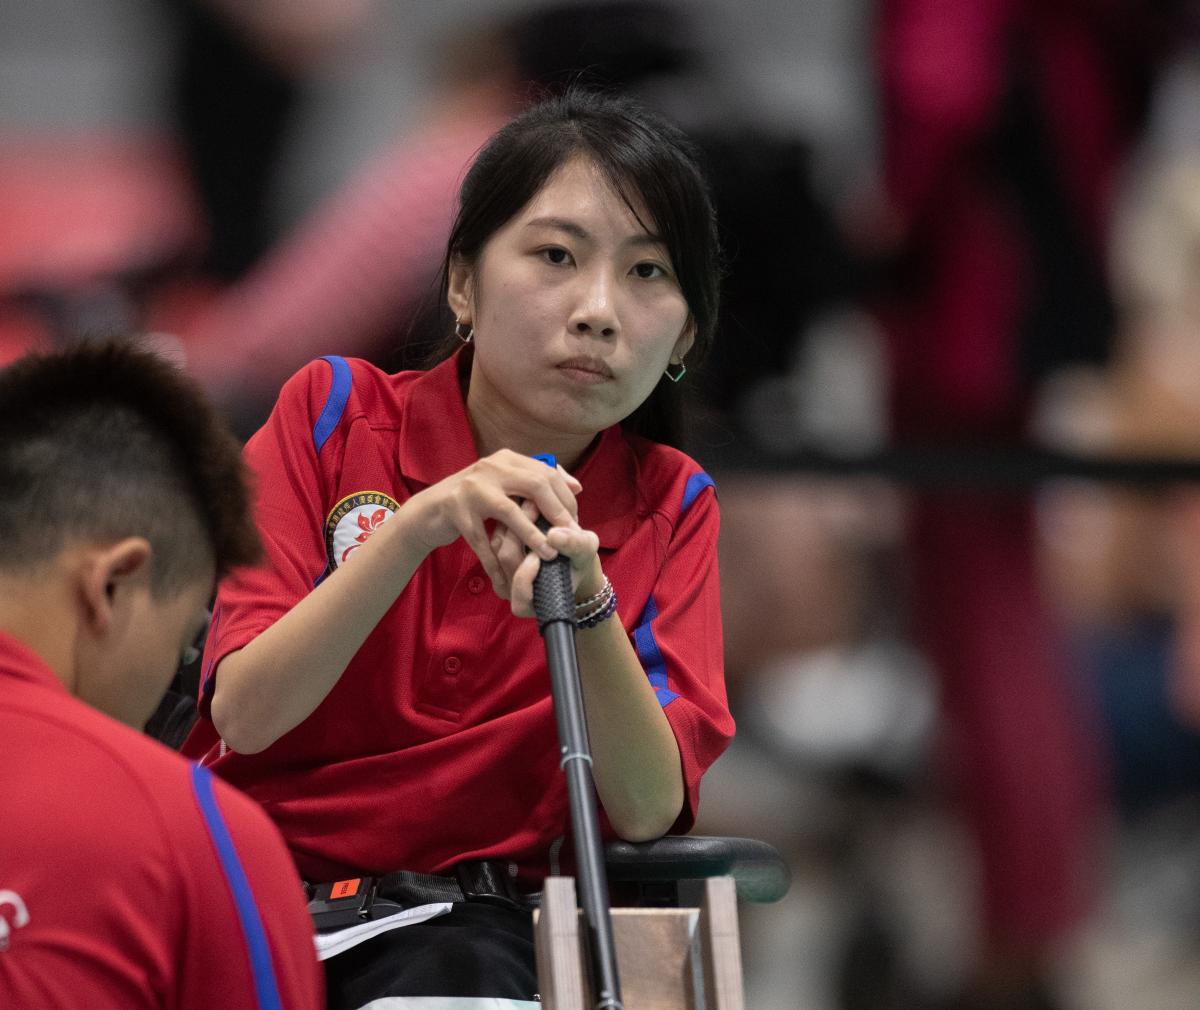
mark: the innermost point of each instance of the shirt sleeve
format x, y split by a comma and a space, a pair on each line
679, 642
289, 501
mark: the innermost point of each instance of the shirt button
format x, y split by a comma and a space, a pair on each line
476, 584
452, 664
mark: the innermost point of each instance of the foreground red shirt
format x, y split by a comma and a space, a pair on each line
129, 879
438, 742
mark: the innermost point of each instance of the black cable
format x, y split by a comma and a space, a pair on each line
959, 466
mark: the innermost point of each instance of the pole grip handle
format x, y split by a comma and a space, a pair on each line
553, 597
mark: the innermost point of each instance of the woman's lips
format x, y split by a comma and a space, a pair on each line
589, 371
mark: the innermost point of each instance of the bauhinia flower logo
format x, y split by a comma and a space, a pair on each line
368, 526
353, 521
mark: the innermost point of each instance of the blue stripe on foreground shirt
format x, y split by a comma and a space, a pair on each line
265, 986
696, 483
335, 402
650, 655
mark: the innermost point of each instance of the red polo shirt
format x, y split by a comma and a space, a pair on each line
130, 879
438, 742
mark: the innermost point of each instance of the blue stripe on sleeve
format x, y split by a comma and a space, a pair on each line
650, 655
265, 987
335, 403
697, 482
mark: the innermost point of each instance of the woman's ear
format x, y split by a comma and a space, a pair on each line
685, 340
459, 293
106, 576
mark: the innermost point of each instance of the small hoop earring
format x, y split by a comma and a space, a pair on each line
675, 370
463, 331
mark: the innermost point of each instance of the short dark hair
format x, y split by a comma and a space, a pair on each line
648, 161
104, 441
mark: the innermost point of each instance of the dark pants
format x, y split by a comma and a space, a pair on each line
475, 950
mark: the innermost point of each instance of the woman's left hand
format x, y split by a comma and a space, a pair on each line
520, 567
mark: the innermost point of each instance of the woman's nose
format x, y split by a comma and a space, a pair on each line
595, 309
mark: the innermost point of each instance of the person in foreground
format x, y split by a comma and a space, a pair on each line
128, 878
378, 685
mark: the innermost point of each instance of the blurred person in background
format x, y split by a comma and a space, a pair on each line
138, 143
1004, 127
1123, 560
237, 83
1154, 388
94, 192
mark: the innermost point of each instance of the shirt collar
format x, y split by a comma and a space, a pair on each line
436, 441
435, 433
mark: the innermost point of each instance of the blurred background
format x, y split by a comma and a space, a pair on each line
963, 240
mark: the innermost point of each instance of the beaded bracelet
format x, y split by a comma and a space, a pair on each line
604, 605
583, 606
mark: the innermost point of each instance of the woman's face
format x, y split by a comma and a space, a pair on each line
576, 312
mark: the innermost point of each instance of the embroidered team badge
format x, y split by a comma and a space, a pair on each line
352, 522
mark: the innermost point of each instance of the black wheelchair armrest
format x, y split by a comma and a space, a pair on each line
758, 870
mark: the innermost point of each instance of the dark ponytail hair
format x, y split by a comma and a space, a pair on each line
648, 161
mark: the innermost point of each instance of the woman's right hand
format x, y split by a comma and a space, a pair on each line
492, 489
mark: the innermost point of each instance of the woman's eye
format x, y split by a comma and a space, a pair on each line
555, 255
647, 271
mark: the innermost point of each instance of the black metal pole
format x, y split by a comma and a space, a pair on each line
554, 605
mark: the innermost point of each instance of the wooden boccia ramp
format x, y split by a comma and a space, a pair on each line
669, 958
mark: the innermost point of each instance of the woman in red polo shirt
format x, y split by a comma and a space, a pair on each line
375, 686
